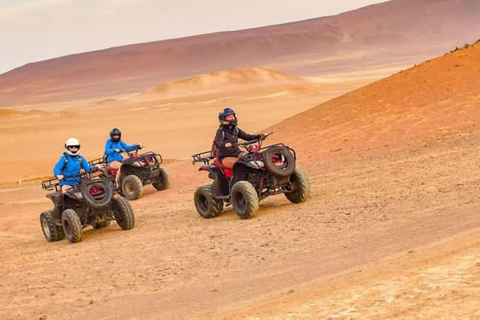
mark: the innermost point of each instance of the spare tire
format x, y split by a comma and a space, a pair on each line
279, 161
97, 193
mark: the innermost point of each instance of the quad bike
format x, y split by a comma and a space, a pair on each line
137, 171
258, 173
93, 201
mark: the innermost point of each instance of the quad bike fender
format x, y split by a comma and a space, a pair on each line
213, 171
220, 185
57, 200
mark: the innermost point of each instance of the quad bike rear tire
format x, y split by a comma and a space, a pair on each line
279, 171
164, 180
207, 206
301, 187
51, 231
101, 224
91, 200
244, 199
124, 213
72, 227
132, 187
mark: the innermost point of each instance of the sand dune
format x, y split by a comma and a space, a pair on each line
223, 82
397, 31
433, 99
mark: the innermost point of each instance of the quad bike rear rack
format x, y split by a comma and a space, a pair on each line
204, 157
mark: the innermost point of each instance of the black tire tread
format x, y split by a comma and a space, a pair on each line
76, 234
165, 183
216, 207
251, 199
303, 187
56, 232
124, 213
137, 187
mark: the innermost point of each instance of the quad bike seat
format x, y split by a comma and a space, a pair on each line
228, 172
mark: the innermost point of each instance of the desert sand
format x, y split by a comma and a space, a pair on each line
391, 228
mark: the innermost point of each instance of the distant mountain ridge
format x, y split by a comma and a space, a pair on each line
406, 24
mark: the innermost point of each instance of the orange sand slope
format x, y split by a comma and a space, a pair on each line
434, 99
398, 31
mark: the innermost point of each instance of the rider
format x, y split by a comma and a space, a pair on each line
114, 148
67, 169
226, 139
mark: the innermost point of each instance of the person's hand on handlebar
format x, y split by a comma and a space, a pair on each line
118, 150
140, 146
60, 176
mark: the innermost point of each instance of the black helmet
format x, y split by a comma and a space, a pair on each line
116, 131
222, 117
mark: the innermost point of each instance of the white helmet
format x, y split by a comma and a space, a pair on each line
72, 142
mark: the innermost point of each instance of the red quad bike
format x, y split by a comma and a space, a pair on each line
137, 171
92, 201
259, 173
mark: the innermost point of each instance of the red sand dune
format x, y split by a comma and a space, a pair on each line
396, 28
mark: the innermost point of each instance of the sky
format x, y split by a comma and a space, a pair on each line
35, 30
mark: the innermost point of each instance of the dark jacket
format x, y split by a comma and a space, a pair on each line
225, 135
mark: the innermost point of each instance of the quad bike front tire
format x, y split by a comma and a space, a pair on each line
132, 187
51, 231
301, 187
207, 206
244, 199
288, 166
72, 227
124, 213
164, 180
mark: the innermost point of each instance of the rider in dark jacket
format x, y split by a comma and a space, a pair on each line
226, 138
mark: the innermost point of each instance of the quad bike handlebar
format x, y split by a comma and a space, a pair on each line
259, 141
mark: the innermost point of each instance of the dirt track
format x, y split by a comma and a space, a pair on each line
175, 264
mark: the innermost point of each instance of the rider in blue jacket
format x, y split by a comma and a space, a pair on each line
114, 148
67, 169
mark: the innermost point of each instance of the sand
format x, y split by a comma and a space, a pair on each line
390, 230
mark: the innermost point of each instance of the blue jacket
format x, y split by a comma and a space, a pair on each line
69, 166
110, 147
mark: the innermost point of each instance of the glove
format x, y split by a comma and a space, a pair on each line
60, 177
139, 146
93, 169
118, 150
262, 136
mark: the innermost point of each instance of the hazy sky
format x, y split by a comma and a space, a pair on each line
34, 30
